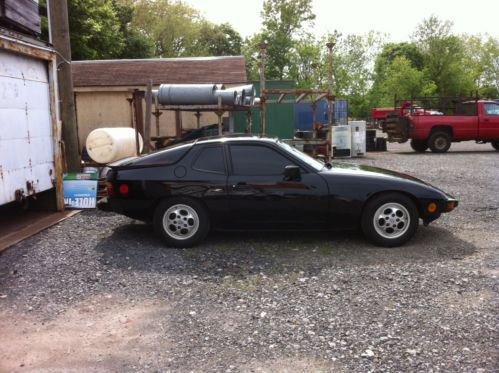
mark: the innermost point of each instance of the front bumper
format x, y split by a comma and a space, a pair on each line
442, 206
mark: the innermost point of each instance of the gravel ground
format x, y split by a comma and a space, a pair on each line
99, 292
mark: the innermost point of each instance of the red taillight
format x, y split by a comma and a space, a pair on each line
123, 189
110, 190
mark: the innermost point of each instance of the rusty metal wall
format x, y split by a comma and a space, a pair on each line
26, 138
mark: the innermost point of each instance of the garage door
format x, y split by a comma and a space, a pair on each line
26, 144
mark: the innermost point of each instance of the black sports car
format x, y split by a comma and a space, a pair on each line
258, 183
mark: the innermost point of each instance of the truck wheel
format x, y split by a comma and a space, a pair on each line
181, 222
390, 219
495, 145
439, 142
419, 146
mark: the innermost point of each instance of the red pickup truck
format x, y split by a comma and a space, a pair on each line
472, 120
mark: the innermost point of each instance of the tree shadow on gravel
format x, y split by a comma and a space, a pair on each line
239, 254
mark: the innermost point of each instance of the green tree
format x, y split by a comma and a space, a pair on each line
178, 30
171, 25
306, 62
217, 40
411, 61
353, 73
282, 22
444, 57
403, 81
137, 45
95, 30
482, 63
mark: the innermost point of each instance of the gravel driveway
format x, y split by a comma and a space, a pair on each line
99, 292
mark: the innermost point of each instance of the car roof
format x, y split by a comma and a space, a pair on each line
237, 138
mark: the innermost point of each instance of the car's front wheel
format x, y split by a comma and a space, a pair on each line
181, 222
390, 219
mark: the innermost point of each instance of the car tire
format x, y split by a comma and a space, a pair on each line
439, 142
390, 219
495, 145
181, 222
419, 146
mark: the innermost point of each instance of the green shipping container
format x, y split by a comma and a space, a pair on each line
280, 117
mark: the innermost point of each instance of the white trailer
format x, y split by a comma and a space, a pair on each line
30, 147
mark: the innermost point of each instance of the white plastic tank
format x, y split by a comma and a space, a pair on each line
105, 145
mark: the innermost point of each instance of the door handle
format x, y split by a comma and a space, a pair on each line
486, 120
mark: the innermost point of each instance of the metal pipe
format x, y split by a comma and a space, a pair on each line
244, 90
228, 97
187, 94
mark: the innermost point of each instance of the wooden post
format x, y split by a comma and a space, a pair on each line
147, 128
330, 100
249, 122
198, 119
132, 124
263, 52
157, 113
139, 112
58, 11
178, 124
56, 134
220, 113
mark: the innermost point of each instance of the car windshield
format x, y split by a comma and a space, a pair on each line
316, 164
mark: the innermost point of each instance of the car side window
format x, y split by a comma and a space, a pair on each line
492, 109
210, 159
251, 160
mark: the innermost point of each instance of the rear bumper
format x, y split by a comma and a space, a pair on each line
135, 209
103, 204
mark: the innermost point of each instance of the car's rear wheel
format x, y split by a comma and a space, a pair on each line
419, 145
495, 145
181, 222
390, 219
439, 142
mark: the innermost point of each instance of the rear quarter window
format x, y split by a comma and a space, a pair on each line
210, 159
165, 156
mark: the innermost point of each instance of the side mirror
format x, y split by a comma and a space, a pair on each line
292, 172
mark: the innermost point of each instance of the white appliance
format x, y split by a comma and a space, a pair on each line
342, 141
358, 130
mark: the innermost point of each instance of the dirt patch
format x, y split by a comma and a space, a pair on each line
100, 334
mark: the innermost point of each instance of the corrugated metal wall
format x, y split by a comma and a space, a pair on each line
26, 142
303, 114
280, 117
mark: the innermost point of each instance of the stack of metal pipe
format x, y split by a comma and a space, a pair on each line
205, 94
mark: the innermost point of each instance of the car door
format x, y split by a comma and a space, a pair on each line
489, 122
260, 196
207, 180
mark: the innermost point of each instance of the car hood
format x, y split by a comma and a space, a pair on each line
340, 168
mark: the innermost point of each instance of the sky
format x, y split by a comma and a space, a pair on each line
396, 18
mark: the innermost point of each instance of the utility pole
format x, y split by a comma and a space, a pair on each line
331, 98
59, 25
263, 98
